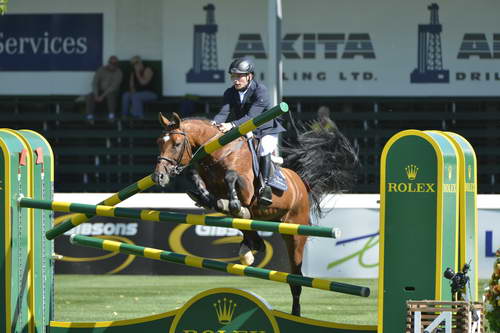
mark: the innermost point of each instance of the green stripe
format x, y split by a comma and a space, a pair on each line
215, 265
257, 272
173, 257
299, 280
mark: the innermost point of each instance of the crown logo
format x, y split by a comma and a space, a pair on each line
450, 173
469, 172
224, 310
411, 171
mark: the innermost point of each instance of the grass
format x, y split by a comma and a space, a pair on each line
81, 298
116, 297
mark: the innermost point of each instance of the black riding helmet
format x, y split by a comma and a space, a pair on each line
241, 66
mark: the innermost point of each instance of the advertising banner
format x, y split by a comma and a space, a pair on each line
51, 42
342, 48
203, 241
355, 254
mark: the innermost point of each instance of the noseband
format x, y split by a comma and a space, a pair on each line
178, 167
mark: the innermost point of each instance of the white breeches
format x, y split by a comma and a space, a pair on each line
268, 144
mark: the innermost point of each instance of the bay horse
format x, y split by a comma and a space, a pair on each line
323, 162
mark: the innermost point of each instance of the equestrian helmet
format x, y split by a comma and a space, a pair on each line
241, 66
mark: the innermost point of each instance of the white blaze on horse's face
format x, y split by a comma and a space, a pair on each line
166, 138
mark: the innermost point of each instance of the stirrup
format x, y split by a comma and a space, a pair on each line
265, 196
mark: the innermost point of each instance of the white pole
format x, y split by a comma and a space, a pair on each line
274, 64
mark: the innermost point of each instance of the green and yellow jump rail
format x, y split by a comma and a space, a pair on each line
236, 269
159, 216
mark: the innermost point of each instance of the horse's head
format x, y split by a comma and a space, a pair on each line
175, 150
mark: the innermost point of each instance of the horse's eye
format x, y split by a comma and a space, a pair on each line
177, 144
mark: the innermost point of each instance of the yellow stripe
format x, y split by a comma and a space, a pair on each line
112, 200
212, 146
278, 276
194, 261
105, 211
195, 219
242, 224
246, 127
321, 284
236, 269
111, 245
78, 219
145, 183
152, 253
288, 228
150, 215
61, 206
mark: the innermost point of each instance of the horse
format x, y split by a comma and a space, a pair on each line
323, 164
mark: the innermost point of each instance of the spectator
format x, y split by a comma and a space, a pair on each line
105, 86
324, 121
140, 89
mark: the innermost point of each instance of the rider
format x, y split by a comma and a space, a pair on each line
246, 99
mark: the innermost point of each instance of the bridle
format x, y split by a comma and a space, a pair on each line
178, 167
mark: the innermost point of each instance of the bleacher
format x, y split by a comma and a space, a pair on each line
106, 157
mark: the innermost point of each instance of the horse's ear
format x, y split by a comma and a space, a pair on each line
164, 121
176, 120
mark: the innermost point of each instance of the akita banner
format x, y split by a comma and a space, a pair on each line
341, 48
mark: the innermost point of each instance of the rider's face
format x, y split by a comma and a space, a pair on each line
241, 81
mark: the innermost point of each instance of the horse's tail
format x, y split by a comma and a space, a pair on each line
325, 160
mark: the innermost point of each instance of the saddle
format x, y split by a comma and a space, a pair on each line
277, 179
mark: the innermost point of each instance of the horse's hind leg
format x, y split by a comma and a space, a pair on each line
295, 246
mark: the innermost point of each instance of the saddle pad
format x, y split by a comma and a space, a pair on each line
277, 180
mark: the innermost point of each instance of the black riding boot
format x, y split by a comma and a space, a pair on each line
265, 192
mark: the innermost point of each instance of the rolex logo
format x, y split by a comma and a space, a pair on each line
411, 171
450, 172
469, 172
224, 310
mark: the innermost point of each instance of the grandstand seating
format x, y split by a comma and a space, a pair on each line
105, 157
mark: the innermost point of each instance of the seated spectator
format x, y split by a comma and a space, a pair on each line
105, 86
140, 89
324, 121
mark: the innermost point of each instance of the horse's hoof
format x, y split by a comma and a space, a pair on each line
246, 256
223, 205
234, 207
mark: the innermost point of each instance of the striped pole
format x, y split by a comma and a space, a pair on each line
211, 264
147, 181
157, 216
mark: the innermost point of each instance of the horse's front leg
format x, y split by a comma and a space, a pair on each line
232, 205
200, 194
234, 202
251, 241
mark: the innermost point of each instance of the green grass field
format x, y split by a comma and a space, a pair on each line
115, 297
